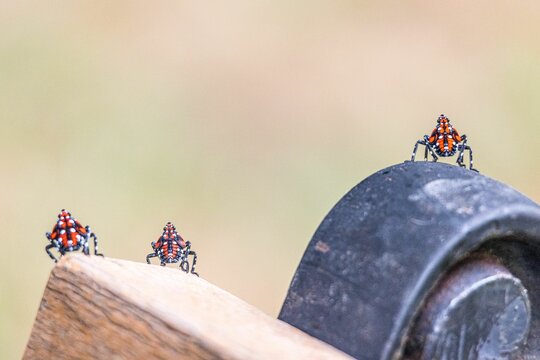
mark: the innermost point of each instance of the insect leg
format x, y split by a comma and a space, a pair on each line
461, 149
430, 148
470, 159
194, 262
93, 235
184, 266
50, 246
419, 142
85, 246
433, 155
150, 256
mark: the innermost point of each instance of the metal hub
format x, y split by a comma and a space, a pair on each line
479, 311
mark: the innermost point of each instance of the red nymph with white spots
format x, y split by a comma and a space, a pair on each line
171, 248
69, 235
445, 141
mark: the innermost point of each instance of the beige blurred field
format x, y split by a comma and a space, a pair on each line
242, 122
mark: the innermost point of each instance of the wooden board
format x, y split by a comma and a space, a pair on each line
114, 309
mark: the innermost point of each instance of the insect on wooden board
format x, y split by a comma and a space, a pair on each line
171, 248
69, 235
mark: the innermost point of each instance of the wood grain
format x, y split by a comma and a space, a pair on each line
114, 309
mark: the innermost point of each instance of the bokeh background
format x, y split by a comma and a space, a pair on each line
243, 122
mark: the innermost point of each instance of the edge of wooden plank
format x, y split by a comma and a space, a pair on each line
109, 308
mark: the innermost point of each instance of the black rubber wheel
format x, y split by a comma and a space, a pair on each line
420, 261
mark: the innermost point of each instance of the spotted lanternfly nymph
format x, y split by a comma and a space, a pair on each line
445, 141
171, 248
69, 235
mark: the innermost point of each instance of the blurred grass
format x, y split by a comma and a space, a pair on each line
241, 122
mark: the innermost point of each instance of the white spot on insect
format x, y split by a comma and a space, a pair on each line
62, 231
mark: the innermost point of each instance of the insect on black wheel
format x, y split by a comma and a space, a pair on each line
423, 261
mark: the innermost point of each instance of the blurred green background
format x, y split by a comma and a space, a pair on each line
241, 122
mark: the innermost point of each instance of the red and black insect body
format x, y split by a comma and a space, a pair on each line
69, 235
445, 141
171, 248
